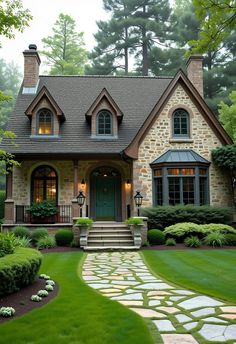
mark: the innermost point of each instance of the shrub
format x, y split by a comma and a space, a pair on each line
18, 269
84, 221
64, 237
156, 237
43, 276
36, 298
192, 241
134, 221
47, 242
38, 234
7, 245
170, 242
7, 311
161, 217
230, 239
218, 227
215, 239
182, 230
49, 287
50, 282
21, 231
42, 209
2, 203
42, 293
22, 242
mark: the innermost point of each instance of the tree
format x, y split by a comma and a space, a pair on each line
228, 116
218, 20
65, 50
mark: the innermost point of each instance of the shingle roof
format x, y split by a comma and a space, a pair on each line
180, 156
135, 96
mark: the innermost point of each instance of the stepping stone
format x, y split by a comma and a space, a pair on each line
137, 296
169, 303
110, 290
154, 303
164, 325
228, 316
122, 287
214, 332
183, 292
150, 286
87, 273
157, 297
170, 310
130, 291
158, 292
99, 286
213, 319
190, 326
90, 278
182, 318
203, 311
228, 309
178, 339
176, 298
116, 278
230, 332
124, 282
148, 313
199, 301
131, 303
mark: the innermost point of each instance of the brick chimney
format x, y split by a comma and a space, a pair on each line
195, 72
31, 66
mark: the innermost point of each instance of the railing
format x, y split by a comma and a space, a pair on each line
63, 215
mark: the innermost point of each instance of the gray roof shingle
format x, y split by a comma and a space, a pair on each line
180, 156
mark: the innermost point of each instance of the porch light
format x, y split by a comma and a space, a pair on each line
80, 199
128, 182
138, 198
83, 183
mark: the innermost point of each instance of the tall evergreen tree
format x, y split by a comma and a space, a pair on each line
65, 50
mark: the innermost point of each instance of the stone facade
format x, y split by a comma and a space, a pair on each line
159, 139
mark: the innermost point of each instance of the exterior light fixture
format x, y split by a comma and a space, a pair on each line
80, 200
83, 183
138, 198
128, 182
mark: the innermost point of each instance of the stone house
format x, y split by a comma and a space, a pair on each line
109, 137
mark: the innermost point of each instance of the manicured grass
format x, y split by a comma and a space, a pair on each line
212, 272
79, 315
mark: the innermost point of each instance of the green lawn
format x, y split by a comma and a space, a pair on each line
207, 271
79, 315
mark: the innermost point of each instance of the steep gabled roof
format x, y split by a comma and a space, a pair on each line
44, 93
180, 78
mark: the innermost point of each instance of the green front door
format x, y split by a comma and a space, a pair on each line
105, 198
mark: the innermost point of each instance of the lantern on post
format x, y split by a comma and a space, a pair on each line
80, 200
138, 198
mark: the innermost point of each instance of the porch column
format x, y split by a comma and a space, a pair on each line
75, 207
9, 203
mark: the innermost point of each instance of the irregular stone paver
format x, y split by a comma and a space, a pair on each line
123, 277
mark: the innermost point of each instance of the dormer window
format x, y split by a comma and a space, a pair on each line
104, 123
44, 122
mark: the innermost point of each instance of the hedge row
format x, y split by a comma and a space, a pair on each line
162, 217
18, 269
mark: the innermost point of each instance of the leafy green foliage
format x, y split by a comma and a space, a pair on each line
47, 242
65, 50
134, 221
83, 221
6, 244
170, 242
192, 241
42, 209
156, 237
18, 269
38, 234
2, 203
225, 157
64, 237
22, 242
215, 239
230, 239
21, 231
228, 116
161, 217
218, 227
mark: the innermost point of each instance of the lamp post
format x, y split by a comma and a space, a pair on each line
80, 200
138, 198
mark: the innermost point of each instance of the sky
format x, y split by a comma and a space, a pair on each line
45, 14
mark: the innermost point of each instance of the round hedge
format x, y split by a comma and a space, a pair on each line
156, 237
64, 237
18, 269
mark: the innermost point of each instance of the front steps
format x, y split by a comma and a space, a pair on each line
110, 236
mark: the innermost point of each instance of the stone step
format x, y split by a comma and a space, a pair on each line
111, 248
110, 242
110, 237
111, 230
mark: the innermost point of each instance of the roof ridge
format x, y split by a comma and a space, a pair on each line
108, 76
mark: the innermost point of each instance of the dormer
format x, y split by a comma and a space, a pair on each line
45, 115
104, 116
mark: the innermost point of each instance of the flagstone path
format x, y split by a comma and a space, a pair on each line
124, 277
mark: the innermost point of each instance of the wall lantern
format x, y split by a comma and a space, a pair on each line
128, 182
83, 183
80, 200
138, 198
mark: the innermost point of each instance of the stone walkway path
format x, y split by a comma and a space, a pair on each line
124, 277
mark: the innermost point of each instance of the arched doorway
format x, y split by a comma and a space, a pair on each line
44, 184
105, 186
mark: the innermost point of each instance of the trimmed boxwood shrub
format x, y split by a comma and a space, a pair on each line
64, 237
170, 242
164, 216
21, 231
38, 234
218, 227
47, 242
156, 237
18, 269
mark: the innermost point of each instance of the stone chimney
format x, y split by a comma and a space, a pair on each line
31, 66
195, 72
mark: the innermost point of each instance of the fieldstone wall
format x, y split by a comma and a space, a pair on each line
159, 139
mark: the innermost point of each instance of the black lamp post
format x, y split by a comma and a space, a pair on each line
138, 198
80, 200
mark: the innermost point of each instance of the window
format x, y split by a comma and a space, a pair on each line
44, 122
104, 123
180, 185
180, 123
44, 184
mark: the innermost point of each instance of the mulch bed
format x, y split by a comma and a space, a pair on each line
183, 247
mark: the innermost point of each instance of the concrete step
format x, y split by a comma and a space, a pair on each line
105, 243
109, 231
110, 236
111, 248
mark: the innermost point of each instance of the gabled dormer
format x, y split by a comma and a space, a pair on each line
45, 115
104, 115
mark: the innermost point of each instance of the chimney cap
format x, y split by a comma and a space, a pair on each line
196, 57
33, 47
